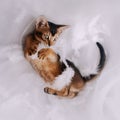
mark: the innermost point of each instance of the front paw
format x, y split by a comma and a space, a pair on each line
32, 50
42, 54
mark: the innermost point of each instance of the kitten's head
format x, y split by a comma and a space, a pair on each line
47, 32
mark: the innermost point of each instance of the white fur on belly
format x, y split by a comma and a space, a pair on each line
63, 80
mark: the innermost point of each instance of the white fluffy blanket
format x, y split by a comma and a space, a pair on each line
21, 88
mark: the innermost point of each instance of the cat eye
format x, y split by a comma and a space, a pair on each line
39, 33
46, 37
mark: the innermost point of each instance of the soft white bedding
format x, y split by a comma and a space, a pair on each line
21, 88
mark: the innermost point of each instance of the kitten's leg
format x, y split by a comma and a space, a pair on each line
76, 85
63, 93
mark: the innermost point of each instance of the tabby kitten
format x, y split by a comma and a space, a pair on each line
37, 48
48, 64
77, 81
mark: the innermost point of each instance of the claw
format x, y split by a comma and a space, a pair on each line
46, 90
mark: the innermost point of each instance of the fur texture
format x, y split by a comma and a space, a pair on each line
64, 78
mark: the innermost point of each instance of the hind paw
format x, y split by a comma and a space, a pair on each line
50, 91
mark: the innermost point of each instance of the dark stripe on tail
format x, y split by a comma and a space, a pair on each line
102, 56
100, 65
101, 62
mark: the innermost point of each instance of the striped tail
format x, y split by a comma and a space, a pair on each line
101, 63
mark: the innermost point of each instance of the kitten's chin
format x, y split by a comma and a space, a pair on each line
52, 44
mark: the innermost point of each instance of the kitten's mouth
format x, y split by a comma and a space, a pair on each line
49, 43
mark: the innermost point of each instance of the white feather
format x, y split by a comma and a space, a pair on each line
63, 80
97, 30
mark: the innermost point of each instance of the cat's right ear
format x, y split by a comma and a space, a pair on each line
61, 28
41, 22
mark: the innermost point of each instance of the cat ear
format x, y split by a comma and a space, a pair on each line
61, 28
41, 22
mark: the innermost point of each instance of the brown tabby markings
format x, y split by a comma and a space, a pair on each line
47, 62
49, 66
30, 45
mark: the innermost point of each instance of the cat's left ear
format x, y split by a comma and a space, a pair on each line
41, 22
61, 28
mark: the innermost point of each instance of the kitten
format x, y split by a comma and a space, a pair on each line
44, 36
48, 64
77, 81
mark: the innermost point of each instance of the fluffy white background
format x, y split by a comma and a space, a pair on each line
21, 89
